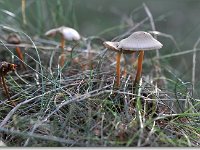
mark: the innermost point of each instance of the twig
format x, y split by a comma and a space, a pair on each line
187, 138
166, 36
138, 103
126, 103
152, 23
177, 115
49, 138
130, 30
177, 54
46, 48
51, 61
157, 67
194, 63
23, 5
150, 134
102, 120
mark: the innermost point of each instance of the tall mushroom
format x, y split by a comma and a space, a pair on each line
68, 34
139, 41
15, 39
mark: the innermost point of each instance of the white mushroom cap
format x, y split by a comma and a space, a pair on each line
51, 32
140, 40
69, 34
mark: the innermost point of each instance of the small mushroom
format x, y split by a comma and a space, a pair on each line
139, 41
68, 34
15, 39
6, 67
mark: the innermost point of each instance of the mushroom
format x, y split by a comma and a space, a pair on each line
6, 67
114, 47
15, 39
139, 41
68, 34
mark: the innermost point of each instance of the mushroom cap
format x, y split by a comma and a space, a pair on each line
13, 39
139, 40
114, 46
111, 45
69, 34
51, 32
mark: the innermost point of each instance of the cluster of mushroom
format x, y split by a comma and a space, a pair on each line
139, 41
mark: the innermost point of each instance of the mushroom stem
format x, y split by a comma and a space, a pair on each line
20, 55
139, 68
62, 43
5, 87
118, 69
62, 59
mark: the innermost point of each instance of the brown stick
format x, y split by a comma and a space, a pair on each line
139, 68
118, 69
5, 87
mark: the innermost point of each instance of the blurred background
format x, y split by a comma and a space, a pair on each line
109, 18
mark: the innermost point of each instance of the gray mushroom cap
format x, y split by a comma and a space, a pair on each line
139, 40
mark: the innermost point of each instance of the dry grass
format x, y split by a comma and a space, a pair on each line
78, 105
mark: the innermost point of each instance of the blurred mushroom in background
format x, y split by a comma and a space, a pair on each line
15, 39
67, 34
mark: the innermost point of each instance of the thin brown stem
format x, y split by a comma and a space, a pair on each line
62, 43
62, 59
139, 68
118, 69
5, 87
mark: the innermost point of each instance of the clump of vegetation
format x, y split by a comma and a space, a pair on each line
78, 104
